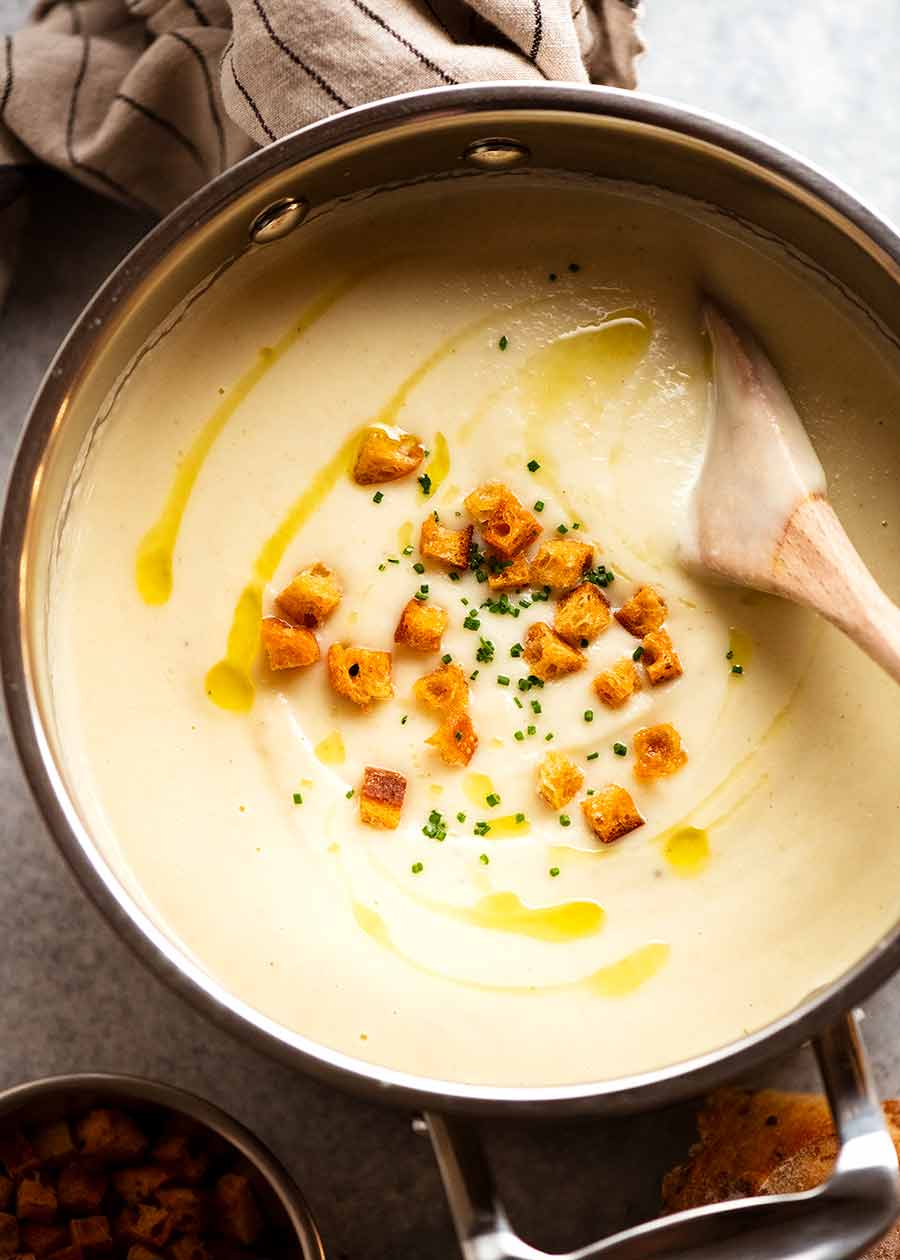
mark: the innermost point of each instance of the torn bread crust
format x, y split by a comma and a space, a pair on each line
287, 646
449, 546
643, 613
421, 626
611, 813
385, 454
311, 596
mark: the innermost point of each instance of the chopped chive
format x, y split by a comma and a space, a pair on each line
425, 482
590, 791
298, 799
403, 720
532, 465
576, 524
377, 496
619, 749
460, 817
492, 799
485, 652
382, 567
539, 505
523, 684
532, 730
503, 342
417, 868
565, 820
737, 669
518, 703
481, 828
446, 658
525, 603
637, 653
516, 649
349, 794
520, 818
562, 529
548, 736
483, 859
471, 622
502, 680
519, 735
729, 655
536, 706
418, 567
592, 756
436, 827
407, 551
392, 560
474, 674
588, 715
454, 577
554, 871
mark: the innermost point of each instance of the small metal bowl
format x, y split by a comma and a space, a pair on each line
58, 1097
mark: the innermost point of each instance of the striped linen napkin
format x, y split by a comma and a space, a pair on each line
146, 100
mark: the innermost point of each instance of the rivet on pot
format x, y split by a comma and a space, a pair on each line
496, 152
278, 220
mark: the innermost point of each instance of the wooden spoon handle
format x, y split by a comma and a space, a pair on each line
816, 564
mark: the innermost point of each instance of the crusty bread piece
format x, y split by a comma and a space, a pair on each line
765, 1142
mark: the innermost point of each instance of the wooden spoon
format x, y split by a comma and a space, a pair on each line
759, 513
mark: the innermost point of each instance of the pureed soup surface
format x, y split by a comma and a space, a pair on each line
503, 322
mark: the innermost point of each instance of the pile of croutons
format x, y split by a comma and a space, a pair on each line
561, 565
105, 1184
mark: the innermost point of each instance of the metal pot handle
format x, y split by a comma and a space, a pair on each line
837, 1221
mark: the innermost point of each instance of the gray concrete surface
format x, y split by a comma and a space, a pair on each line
818, 75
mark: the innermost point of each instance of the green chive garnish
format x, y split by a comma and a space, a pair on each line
565, 820
377, 496
298, 799
554, 871
532, 465
619, 749
417, 868
592, 756
588, 715
539, 505
502, 680
503, 342
637, 653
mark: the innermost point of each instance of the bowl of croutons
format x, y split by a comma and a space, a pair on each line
121, 1167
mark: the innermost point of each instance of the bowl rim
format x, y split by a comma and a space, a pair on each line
172, 964
124, 1087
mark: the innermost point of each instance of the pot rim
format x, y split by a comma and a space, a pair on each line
658, 1087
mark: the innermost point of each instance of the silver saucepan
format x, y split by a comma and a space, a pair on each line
428, 135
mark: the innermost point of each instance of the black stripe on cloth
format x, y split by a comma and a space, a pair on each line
165, 125
401, 39
197, 12
538, 30
289, 52
119, 189
440, 21
210, 94
7, 87
250, 101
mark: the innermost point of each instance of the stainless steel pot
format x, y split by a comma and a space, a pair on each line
63, 1097
425, 135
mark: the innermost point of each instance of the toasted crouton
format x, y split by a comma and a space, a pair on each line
611, 813
189, 1247
239, 1217
558, 779
561, 563
359, 674
548, 655
144, 1223
386, 453
9, 1234
81, 1187
287, 646
511, 576
91, 1234
35, 1201
657, 751
645, 611
187, 1206
485, 499
43, 1240
660, 659
381, 798
510, 528
136, 1185
137, 1251
17, 1154
581, 615
110, 1136
455, 739
181, 1157
617, 683
445, 689
421, 625
311, 596
450, 546
6, 1192
53, 1142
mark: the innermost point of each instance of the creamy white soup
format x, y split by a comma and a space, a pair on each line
546, 335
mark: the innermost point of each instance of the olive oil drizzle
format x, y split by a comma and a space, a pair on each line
155, 553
